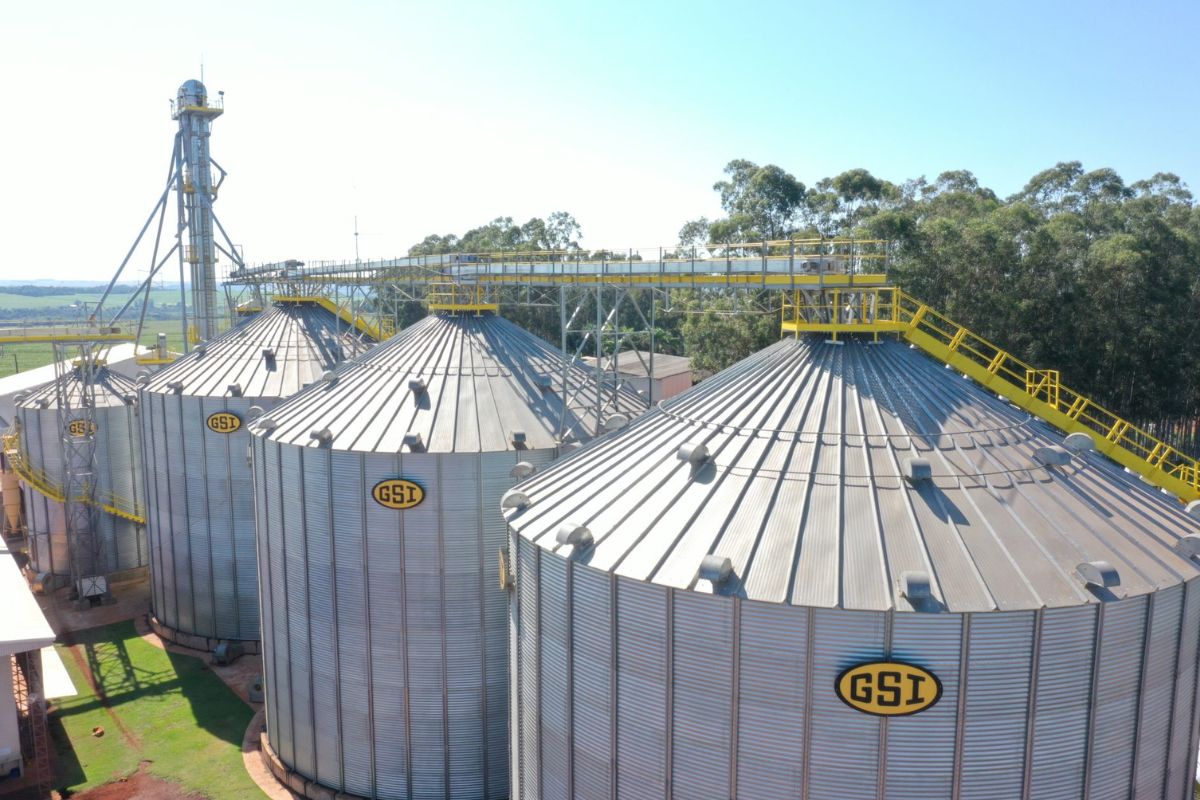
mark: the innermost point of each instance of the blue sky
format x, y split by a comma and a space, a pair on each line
435, 117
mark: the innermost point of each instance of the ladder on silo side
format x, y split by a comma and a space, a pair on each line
886, 309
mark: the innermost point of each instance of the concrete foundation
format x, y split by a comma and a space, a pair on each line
294, 781
202, 643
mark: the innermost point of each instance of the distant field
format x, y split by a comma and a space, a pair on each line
20, 357
33, 304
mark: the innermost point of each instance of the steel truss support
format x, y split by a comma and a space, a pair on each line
75, 392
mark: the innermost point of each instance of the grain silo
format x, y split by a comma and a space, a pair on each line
200, 507
377, 493
840, 571
117, 475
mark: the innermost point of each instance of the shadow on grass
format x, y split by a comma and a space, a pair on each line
67, 769
214, 705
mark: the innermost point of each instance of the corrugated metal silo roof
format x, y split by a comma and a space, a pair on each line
483, 378
111, 389
803, 491
302, 339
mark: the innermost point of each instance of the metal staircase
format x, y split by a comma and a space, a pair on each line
888, 310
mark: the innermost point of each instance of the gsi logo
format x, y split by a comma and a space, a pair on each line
888, 688
223, 422
81, 427
398, 493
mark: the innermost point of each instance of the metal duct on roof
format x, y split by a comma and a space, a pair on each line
1042, 613
199, 497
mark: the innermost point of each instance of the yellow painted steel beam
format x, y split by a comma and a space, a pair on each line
14, 337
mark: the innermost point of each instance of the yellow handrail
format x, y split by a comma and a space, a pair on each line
1038, 391
43, 484
377, 332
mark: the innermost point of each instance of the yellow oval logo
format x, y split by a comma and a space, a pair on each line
888, 688
398, 493
223, 422
81, 427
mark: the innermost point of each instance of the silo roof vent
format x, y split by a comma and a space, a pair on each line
1188, 546
715, 568
545, 383
1193, 509
693, 453
417, 386
129, 399
268, 353
414, 442
322, 436
1100, 574
175, 386
329, 377
917, 588
522, 470
917, 470
514, 498
255, 412
235, 389
143, 378
615, 422
43, 402
267, 424
1053, 456
575, 535
1079, 442
518, 439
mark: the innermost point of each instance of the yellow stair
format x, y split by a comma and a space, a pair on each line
887, 309
42, 483
384, 330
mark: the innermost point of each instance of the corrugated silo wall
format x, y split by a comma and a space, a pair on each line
385, 631
117, 472
200, 516
632, 690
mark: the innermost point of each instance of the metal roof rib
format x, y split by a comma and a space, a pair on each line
803, 491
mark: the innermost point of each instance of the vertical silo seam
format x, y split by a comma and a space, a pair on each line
735, 694
569, 636
888, 651
290, 695
208, 524
669, 681
1031, 708
441, 555
233, 555
964, 655
1091, 726
1148, 629
370, 661
310, 688
483, 671
336, 637
613, 686
403, 592
1189, 778
808, 702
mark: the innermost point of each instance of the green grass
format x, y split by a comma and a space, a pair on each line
20, 357
21, 301
162, 708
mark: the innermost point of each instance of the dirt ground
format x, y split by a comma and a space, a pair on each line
139, 786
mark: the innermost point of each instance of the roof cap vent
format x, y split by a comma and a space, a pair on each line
322, 436
235, 389
18, 397
518, 439
328, 376
575, 535
417, 386
1079, 442
917, 470
615, 422
43, 402
1053, 456
1100, 574
1193, 509
715, 568
175, 386
545, 382
693, 453
1188, 546
917, 588
129, 399
522, 470
268, 353
514, 498
414, 442
201, 350
268, 424
255, 412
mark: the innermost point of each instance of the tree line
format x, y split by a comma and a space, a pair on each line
1078, 271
